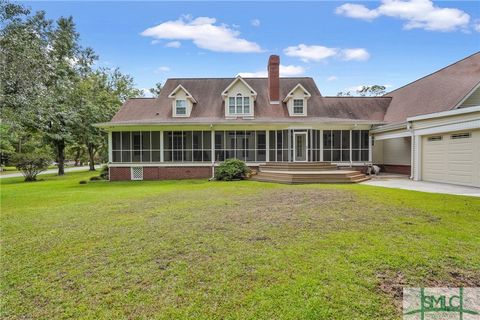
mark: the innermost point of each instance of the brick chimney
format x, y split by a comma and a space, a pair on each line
274, 79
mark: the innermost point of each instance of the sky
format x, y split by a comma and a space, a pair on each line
341, 44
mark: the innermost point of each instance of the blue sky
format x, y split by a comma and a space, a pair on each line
341, 44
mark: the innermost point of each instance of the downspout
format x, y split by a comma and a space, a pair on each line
412, 149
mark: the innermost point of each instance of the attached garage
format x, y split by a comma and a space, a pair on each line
452, 157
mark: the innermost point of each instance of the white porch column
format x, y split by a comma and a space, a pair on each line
212, 146
110, 146
267, 146
369, 148
416, 166
351, 161
321, 145
161, 146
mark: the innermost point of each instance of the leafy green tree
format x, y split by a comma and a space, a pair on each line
365, 91
98, 97
155, 91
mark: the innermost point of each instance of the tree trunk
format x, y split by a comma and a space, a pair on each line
91, 155
77, 157
61, 157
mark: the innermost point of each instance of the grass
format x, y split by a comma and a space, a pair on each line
220, 250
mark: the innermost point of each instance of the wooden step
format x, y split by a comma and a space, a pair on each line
336, 176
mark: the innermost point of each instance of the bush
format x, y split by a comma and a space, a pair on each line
82, 182
104, 172
31, 164
95, 178
231, 169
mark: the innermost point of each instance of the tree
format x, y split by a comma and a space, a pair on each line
155, 91
98, 97
365, 91
31, 164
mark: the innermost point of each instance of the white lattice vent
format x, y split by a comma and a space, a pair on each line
137, 173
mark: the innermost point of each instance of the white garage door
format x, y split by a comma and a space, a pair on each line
452, 158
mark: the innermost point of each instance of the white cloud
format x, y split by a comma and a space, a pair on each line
310, 53
332, 78
358, 54
204, 33
255, 23
285, 71
358, 11
173, 44
418, 14
476, 26
317, 53
162, 69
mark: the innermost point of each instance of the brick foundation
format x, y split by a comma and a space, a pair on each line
396, 168
118, 174
162, 173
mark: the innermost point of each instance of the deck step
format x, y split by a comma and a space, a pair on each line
299, 173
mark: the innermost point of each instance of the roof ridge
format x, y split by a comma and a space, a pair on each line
432, 73
356, 97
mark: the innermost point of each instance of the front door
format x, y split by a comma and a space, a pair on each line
300, 146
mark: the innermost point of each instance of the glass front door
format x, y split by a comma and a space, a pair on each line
300, 146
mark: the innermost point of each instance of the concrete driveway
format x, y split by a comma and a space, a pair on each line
70, 169
424, 186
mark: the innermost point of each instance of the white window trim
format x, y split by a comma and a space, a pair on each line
250, 107
303, 107
185, 107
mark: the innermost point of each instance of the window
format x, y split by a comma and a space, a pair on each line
435, 138
239, 105
248, 146
463, 135
298, 106
180, 107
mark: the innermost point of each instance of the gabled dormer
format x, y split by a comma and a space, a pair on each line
182, 102
296, 101
239, 99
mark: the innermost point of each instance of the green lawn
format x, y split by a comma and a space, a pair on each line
226, 250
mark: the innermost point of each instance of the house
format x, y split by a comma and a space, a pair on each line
429, 128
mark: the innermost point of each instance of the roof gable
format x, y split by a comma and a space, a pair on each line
237, 79
180, 87
291, 93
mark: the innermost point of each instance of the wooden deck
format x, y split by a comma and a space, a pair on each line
308, 172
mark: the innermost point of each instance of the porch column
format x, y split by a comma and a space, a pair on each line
369, 148
161, 146
321, 145
110, 146
416, 166
212, 147
351, 160
267, 146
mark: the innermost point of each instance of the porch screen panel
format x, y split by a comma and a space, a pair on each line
187, 146
360, 145
136, 146
314, 145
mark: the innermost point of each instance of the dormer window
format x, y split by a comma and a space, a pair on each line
182, 102
296, 101
181, 107
239, 105
298, 106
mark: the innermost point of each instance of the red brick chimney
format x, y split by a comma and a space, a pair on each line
274, 79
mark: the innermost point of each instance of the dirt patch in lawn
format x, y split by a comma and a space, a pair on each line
392, 283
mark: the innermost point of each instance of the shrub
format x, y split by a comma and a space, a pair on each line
82, 182
231, 169
104, 172
31, 164
95, 178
